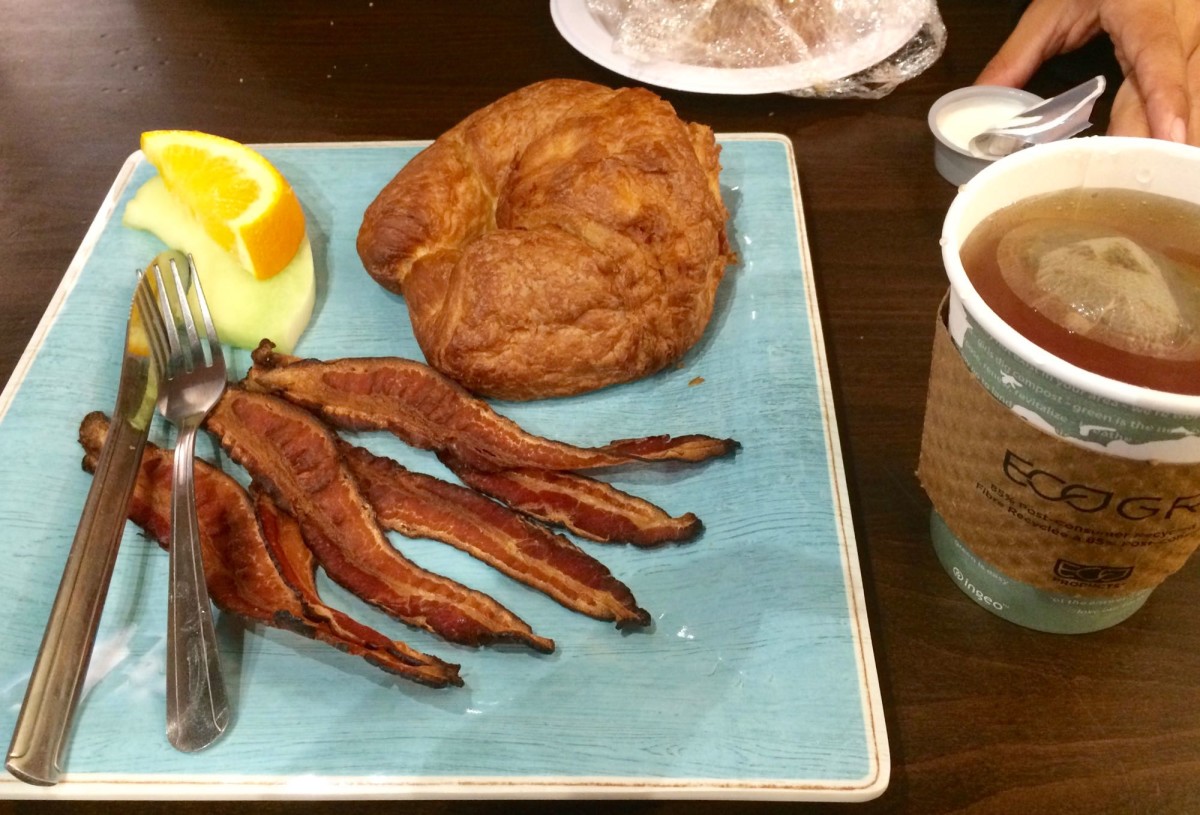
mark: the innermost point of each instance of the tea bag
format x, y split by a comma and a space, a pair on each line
1098, 283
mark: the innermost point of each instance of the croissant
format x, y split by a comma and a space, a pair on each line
564, 238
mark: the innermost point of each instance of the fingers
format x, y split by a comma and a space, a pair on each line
1193, 132
1146, 35
1152, 39
1128, 116
1047, 28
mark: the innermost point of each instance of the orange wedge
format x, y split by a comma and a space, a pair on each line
240, 199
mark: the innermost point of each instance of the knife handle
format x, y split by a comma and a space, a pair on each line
62, 661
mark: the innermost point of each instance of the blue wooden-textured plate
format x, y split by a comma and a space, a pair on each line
756, 680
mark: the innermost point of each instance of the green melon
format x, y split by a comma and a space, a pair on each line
245, 310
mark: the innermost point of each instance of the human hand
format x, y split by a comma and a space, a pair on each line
1157, 44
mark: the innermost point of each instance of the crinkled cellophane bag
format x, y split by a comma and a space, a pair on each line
808, 35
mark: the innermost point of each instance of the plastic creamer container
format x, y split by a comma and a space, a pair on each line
961, 115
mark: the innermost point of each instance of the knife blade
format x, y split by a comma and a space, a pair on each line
34, 755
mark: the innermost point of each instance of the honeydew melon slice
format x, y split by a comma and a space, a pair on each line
245, 309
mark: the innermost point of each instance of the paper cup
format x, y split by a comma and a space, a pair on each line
1096, 507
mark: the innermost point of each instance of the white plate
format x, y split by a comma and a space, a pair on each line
587, 35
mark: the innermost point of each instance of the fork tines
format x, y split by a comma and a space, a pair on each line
181, 354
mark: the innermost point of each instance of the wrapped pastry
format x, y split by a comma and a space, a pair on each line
856, 48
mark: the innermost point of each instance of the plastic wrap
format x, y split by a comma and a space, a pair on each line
827, 48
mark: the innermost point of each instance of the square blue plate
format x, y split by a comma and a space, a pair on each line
756, 679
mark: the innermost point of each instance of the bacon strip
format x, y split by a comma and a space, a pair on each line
297, 568
430, 411
421, 506
691, 448
296, 457
238, 570
591, 509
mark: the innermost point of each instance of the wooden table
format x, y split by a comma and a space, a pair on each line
983, 716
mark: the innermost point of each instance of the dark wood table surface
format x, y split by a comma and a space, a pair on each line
982, 716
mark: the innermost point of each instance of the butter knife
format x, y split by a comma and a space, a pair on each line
61, 667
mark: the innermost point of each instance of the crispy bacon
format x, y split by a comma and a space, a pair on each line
422, 506
242, 578
430, 411
296, 458
590, 508
691, 448
297, 568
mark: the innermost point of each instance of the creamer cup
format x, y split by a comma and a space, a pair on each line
962, 114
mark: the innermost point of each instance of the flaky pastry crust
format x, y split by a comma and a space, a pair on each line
564, 238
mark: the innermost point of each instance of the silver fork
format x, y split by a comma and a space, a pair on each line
197, 705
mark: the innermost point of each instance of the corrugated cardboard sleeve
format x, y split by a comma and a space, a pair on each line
1042, 510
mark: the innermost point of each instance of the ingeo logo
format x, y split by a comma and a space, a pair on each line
973, 590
